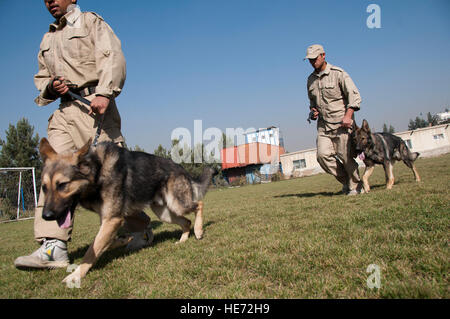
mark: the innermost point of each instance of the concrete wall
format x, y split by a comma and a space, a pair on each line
428, 141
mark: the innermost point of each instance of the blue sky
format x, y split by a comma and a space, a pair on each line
239, 63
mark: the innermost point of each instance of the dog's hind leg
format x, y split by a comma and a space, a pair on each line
102, 242
198, 224
413, 168
389, 172
166, 215
408, 158
416, 174
185, 227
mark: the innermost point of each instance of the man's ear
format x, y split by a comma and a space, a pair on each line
365, 126
46, 150
84, 150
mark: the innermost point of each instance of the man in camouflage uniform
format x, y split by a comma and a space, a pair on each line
333, 99
83, 50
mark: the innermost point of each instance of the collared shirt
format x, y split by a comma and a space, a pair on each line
83, 49
331, 92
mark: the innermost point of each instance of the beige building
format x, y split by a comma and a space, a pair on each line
428, 141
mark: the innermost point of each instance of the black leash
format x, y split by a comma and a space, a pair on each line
102, 116
87, 102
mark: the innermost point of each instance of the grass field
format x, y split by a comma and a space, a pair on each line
291, 239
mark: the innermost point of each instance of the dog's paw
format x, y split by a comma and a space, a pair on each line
74, 279
198, 234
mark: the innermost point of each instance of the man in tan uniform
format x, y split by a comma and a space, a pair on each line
81, 48
334, 98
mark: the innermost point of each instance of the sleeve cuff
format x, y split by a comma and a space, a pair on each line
107, 92
41, 101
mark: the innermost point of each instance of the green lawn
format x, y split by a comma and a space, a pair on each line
291, 239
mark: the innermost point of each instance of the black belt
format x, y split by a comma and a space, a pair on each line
81, 92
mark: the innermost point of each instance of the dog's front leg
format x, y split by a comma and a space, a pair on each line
367, 173
102, 241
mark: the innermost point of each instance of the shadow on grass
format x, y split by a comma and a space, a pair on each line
328, 194
301, 195
120, 252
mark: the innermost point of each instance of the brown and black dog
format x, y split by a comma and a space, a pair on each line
117, 183
384, 149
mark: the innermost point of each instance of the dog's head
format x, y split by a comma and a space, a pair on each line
64, 177
362, 137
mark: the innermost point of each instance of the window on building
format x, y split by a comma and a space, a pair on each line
408, 142
438, 136
299, 164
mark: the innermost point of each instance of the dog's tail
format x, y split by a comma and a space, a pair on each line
406, 153
202, 183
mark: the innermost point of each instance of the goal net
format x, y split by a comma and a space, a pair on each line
18, 198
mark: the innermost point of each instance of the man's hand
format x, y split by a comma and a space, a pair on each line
59, 87
347, 120
99, 105
315, 113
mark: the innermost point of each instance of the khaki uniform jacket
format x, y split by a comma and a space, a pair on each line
331, 92
85, 51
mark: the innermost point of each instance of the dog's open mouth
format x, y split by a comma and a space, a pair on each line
65, 220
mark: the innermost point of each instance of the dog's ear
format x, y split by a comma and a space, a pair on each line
46, 150
365, 126
83, 161
84, 150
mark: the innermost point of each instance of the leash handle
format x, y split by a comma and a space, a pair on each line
79, 98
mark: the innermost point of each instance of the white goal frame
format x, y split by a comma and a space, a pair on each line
20, 170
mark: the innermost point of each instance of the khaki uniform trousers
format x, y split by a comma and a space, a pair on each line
69, 128
335, 156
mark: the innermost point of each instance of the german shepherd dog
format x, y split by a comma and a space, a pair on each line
117, 183
384, 149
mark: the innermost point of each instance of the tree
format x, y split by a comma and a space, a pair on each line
417, 123
432, 119
137, 148
21, 147
161, 151
19, 150
388, 130
391, 129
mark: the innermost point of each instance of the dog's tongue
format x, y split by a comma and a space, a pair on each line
362, 156
66, 222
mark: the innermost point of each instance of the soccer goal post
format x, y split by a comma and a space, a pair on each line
18, 196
